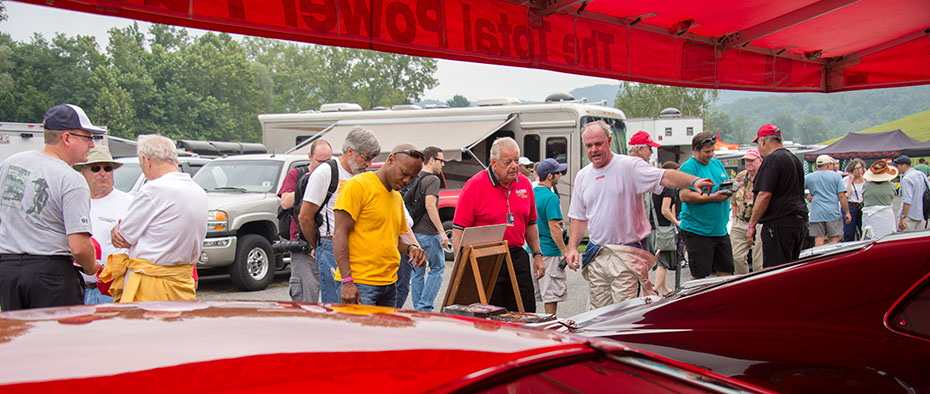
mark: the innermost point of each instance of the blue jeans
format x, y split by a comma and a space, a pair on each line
377, 295
330, 289
853, 229
403, 281
93, 296
424, 295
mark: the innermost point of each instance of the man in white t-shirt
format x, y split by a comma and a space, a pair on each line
164, 231
358, 150
607, 203
107, 207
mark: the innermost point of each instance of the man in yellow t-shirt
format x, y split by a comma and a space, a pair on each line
369, 217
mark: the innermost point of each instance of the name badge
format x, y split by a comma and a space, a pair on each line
509, 219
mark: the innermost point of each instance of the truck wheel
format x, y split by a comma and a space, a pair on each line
254, 265
447, 227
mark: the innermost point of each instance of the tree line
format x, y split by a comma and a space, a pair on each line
210, 87
646, 100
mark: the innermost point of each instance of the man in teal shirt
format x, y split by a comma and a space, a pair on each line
704, 216
551, 288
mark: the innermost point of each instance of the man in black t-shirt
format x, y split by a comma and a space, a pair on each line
779, 201
430, 235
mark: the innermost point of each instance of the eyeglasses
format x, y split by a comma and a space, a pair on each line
412, 153
88, 137
98, 168
367, 157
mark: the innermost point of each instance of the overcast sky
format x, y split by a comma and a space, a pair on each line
472, 80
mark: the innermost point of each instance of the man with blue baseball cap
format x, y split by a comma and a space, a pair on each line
45, 211
551, 287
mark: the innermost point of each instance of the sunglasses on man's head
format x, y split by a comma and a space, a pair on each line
98, 168
412, 153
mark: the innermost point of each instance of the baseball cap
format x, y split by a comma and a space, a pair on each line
903, 159
824, 160
525, 161
643, 138
752, 154
69, 117
549, 166
767, 130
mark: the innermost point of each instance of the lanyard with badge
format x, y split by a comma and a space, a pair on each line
509, 214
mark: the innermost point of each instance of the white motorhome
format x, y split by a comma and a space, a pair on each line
543, 130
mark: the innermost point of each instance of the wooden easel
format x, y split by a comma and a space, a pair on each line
480, 264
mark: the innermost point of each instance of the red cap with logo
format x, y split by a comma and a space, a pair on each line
643, 138
767, 130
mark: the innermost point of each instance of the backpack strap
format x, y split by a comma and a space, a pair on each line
333, 185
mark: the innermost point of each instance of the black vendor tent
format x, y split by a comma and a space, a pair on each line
889, 144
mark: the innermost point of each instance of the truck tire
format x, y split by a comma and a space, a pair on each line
447, 227
254, 266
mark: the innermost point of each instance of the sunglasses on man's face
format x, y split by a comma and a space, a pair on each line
412, 153
98, 168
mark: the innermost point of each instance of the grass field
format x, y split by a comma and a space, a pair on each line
917, 126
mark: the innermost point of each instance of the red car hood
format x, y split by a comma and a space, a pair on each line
232, 346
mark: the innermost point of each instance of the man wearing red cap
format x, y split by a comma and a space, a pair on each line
779, 203
641, 145
741, 207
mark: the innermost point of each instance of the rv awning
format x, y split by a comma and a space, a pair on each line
452, 134
783, 46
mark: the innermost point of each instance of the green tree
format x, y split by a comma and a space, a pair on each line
458, 101
731, 129
812, 130
639, 100
787, 126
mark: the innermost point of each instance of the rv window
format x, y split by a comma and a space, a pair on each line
531, 147
557, 148
690, 131
485, 156
301, 138
617, 134
668, 131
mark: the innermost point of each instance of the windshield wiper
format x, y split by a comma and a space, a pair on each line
238, 189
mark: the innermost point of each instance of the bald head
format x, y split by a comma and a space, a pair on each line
403, 147
404, 163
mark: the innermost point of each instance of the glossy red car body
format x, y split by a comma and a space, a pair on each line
856, 321
260, 347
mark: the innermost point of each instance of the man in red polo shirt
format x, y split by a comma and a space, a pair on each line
502, 195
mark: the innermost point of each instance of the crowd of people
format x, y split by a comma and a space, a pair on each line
375, 237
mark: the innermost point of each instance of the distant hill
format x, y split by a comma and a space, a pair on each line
597, 93
917, 126
842, 113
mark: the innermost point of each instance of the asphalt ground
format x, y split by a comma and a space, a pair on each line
218, 287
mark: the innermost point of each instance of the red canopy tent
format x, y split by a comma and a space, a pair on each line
787, 45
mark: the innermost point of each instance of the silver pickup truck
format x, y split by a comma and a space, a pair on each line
242, 223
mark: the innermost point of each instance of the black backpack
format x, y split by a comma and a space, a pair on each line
926, 197
415, 197
318, 219
286, 216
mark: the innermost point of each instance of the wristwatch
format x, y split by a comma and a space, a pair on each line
537, 253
